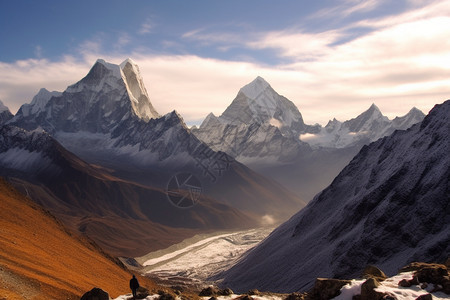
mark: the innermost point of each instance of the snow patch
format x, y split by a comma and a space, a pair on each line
389, 286
112, 67
255, 88
350, 290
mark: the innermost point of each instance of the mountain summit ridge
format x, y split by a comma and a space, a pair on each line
94, 104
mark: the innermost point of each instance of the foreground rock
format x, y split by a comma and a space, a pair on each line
425, 274
96, 294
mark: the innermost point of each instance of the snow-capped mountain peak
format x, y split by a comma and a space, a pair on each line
366, 127
112, 67
365, 120
257, 102
108, 95
40, 100
413, 116
255, 88
137, 92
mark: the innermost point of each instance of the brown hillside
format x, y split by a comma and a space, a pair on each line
40, 259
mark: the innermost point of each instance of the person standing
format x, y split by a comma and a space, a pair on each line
134, 285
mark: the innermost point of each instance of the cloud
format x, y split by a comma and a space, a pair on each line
21, 80
345, 8
403, 61
223, 40
146, 27
123, 39
298, 45
38, 51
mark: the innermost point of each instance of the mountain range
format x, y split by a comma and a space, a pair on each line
389, 206
266, 131
101, 158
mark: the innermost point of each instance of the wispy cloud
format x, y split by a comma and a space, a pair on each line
38, 51
21, 80
147, 26
343, 9
123, 39
222, 40
91, 46
297, 45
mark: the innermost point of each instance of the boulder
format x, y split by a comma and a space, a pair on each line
405, 283
142, 293
226, 292
429, 273
374, 272
209, 291
415, 266
325, 289
254, 292
425, 297
96, 294
432, 274
165, 296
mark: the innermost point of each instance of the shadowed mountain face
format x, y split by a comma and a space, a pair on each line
41, 259
388, 207
126, 218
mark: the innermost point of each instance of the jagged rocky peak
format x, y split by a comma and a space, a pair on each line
137, 92
3, 107
105, 76
210, 120
40, 100
413, 116
5, 114
366, 120
107, 95
257, 102
255, 88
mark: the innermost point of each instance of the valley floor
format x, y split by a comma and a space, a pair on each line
195, 260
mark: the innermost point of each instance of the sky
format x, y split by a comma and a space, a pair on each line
333, 59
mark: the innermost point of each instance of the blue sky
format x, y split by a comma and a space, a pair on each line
331, 58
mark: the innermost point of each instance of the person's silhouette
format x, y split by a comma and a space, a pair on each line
134, 285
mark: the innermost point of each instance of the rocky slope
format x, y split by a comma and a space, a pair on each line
41, 259
124, 218
388, 207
